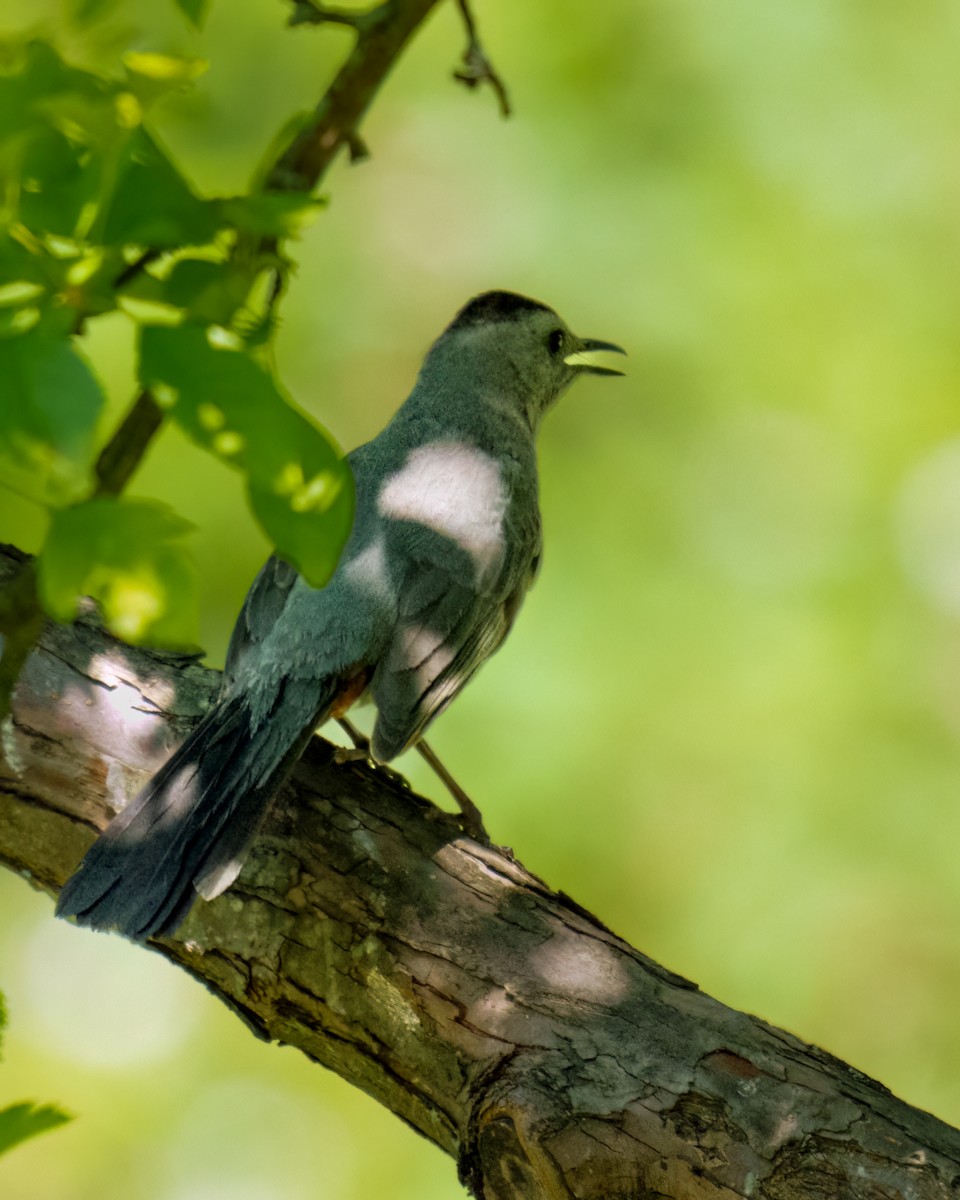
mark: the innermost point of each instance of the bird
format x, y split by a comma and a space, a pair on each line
445, 543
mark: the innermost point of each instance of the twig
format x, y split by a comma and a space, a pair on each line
477, 67
133, 269
121, 456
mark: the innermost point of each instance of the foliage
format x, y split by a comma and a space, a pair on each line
21, 1121
97, 219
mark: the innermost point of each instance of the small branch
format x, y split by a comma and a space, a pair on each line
382, 34
477, 67
132, 270
121, 456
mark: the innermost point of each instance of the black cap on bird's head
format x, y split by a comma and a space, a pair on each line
493, 308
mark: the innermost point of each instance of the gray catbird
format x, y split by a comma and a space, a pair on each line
446, 541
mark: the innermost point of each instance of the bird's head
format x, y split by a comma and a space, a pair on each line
519, 350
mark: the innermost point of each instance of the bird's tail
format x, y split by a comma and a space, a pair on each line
188, 831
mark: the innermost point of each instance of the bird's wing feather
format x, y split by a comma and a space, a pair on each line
261, 610
445, 629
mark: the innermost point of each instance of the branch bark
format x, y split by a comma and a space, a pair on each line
494, 1015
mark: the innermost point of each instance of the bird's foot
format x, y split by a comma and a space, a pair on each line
360, 752
471, 821
348, 754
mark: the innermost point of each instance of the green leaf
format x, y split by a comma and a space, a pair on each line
300, 488
22, 1121
49, 405
57, 184
273, 214
32, 75
210, 292
194, 10
127, 555
153, 205
61, 133
20, 265
152, 76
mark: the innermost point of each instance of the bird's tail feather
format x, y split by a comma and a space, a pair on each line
187, 831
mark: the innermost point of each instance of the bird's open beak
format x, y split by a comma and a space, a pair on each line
588, 346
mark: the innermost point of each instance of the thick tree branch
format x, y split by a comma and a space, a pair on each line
494, 1015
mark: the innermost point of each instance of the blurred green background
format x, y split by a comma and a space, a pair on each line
728, 721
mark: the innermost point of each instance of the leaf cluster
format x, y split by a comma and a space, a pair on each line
96, 217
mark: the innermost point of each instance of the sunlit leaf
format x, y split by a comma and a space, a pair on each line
49, 406
22, 1121
151, 76
61, 130
300, 488
128, 555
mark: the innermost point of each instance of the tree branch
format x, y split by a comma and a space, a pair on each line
382, 34
121, 456
496, 1016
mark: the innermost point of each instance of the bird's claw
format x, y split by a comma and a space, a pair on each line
351, 754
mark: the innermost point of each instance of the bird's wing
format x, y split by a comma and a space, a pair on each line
261, 610
445, 629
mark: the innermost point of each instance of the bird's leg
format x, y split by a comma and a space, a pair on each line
360, 751
470, 819
361, 744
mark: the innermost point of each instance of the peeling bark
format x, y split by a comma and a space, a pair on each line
497, 1017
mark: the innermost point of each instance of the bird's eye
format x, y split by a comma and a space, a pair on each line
555, 341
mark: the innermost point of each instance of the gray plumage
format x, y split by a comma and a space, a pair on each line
445, 542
